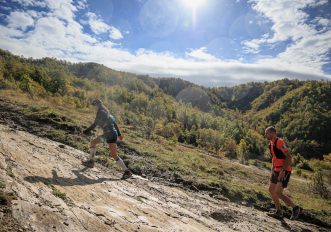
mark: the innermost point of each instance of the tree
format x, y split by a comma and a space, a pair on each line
205, 138
156, 109
170, 130
230, 148
318, 186
242, 151
149, 126
26, 84
217, 140
139, 103
2, 69
58, 83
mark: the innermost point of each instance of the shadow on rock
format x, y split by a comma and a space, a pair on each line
285, 225
225, 215
63, 181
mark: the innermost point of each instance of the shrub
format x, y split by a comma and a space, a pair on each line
299, 172
297, 159
318, 185
242, 151
230, 148
304, 165
169, 130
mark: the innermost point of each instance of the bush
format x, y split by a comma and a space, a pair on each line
304, 165
297, 159
192, 138
317, 164
5, 84
169, 130
318, 185
327, 157
242, 151
299, 172
26, 84
230, 148
181, 138
148, 126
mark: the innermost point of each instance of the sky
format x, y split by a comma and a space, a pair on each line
207, 42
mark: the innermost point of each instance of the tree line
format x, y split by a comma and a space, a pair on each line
231, 121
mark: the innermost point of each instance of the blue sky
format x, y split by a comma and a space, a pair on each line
208, 42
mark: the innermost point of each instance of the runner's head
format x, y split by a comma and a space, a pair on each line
96, 102
270, 132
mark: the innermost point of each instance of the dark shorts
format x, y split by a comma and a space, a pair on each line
109, 137
274, 178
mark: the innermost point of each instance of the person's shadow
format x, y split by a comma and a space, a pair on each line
63, 181
285, 225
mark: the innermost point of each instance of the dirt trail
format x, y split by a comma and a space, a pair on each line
54, 192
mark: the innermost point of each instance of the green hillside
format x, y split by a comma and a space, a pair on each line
170, 134
183, 111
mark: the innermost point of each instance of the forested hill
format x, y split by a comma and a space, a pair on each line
219, 119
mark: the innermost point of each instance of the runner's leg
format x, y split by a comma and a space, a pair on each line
119, 161
279, 191
93, 144
274, 195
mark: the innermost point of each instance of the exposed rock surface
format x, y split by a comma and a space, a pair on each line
54, 192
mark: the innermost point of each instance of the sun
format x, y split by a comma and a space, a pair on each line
193, 4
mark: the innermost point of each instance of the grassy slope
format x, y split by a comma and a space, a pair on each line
160, 158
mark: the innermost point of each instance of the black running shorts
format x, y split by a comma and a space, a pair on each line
274, 178
109, 137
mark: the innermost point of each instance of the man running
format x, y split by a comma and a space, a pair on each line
280, 173
110, 135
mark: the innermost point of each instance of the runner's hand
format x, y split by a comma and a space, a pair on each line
281, 175
120, 137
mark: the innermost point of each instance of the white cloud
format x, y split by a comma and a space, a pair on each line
208, 72
96, 24
252, 46
322, 21
287, 17
34, 14
308, 48
201, 54
5, 7
39, 3
53, 35
9, 32
59, 35
318, 3
114, 33
308, 54
19, 20
81, 4
62, 9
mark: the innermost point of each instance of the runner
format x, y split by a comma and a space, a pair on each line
110, 135
280, 174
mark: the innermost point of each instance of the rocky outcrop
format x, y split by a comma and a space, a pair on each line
52, 191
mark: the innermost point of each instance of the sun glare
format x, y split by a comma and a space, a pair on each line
194, 4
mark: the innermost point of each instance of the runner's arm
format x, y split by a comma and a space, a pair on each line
287, 161
92, 127
117, 129
283, 147
97, 119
